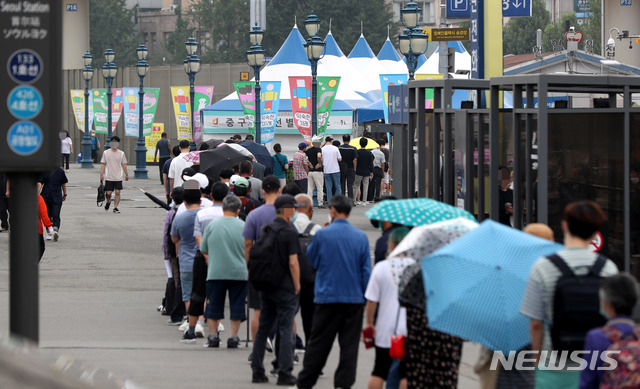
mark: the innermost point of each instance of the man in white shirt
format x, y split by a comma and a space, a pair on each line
178, 164
114, 162
331, 158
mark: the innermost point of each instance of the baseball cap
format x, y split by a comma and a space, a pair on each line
233, 179
241, 182
236, 136
202, 179
287, 201
302, 145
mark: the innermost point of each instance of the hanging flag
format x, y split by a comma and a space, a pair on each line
131, 122
202, 99
182, 110
269, 103
117, 103
301, 104
100, 110
77, 103
385, 81
327, 89
149, 105
246, 91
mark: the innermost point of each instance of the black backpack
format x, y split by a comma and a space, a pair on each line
101, 196
266, 269
248, 207
576, 305
171, 247
307, 272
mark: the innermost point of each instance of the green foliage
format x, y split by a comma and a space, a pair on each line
111, 24
176, 51
591, 27
227, 22
557, 31
519, 35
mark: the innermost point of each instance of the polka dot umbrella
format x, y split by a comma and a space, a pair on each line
415, 212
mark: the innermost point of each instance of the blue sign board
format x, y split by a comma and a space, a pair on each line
476, 36
71, 7
625, 2
24, 66
398, 104
458, 9
24, 138
25, 102
461, 9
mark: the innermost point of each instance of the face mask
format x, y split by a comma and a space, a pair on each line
293, 219
603, 313
93, 135
635, 180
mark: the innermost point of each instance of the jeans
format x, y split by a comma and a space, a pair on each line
315, 180
393, 378
347, 179
331, 181
53, 210
329, 321
281, 304
302, 184
365, 186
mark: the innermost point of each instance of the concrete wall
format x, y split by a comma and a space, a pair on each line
75, 34
623, 18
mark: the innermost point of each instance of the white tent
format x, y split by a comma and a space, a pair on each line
363, 59
391, 60
462, 60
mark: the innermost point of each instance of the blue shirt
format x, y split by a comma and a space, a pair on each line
182, 227
278, 171
256, 219
340, 254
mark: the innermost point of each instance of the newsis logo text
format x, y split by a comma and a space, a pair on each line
555, 360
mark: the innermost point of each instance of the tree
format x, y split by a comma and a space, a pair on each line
557, 30
111, 25
519, 35
175, 41
591, 26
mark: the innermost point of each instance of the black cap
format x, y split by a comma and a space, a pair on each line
287, 201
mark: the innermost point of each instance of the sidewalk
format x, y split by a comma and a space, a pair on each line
101, 282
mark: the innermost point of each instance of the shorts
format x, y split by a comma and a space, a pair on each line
216, 293
385, 177
199, 285
109, 186
254, 297
383, 363
186, 279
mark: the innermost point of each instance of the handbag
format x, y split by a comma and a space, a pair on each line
397, 350
101, 196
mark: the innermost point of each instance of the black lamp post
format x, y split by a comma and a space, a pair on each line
87, 75
142, 68
413, 43
192, 67
109, 72
255, 59
315, 51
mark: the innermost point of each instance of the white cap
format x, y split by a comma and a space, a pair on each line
201, 178
233, 179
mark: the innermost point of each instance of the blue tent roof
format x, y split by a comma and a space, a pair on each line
291, 51
373, 111
455, 45
388, 52
361, 49
421, 60
331, 46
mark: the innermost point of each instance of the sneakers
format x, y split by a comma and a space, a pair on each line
188, 338
49, 237
296, 360
259, 378
199, 330
299, 345
171, 322
286, 380
269, 345
184, 325
274, 372
116, 210
55, 234
212, 341
106, 206
233, 342
160, 308
220, 327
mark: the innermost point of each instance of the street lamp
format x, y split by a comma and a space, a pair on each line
413, 43
255, 59
142, 68
87, 75
109, 72
192, 67
315, 51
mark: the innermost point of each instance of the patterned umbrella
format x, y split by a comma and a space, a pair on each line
475, 285
424, 240
371, 144
193, 156
415, 212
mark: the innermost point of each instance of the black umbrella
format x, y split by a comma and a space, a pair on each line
156, 200
213, 143
260, 152
212, 162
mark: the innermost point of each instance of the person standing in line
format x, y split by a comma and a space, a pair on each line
331, 162
165, 173
54, 193
364, 172
301, 167
348, 166
386, 178
178, 164
281, 303
340, 253
246, 171
95, 146
114, 162
280, 165
66, 147
315, 177
378, 172
4, 204
163, 147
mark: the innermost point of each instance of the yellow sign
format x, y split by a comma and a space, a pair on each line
182, 110
244, 76
447, 34
151, 140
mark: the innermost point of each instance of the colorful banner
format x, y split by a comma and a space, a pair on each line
385, 81
152, 139
100, 111
247, 94
202, 98
327, 89
131, 108
269, 104
77, 102
182, 110
301, 104
428, 92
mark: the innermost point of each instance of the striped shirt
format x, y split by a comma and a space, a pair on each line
300, 159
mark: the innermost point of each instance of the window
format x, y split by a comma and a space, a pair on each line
153, 41
428, 11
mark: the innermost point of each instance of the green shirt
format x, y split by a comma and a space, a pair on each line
223, 241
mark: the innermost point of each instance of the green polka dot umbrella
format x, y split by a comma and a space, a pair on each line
415, 212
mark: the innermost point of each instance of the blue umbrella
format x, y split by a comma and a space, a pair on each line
415, 212
475, 285
260, 152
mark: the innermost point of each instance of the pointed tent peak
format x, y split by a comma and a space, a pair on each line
388, 52
331, 46
454, 45
291, 51
361, 49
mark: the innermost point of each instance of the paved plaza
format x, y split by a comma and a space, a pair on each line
101, 282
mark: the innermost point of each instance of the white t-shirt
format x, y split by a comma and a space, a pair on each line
66, 146
330, 156
204, 203
178, 164
113, 160
206, 216
383, 290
